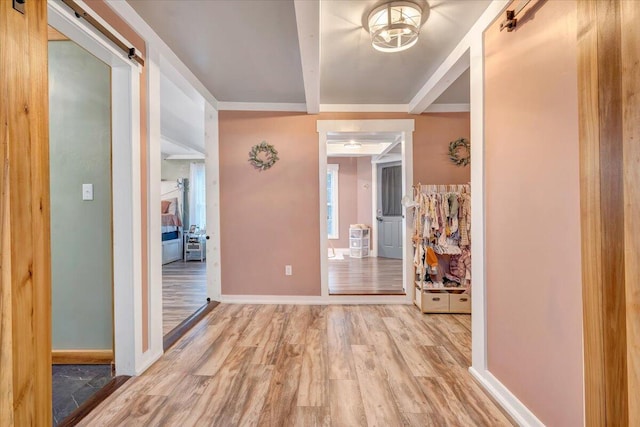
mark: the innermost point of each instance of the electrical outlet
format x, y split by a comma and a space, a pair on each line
288, 271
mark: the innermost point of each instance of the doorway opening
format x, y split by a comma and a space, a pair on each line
365, 172
364, 184
183, 206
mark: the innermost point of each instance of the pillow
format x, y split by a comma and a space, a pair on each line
165, 206
173, 207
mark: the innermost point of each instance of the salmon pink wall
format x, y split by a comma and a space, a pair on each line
347, 198
434, 132
270, 219
534, 300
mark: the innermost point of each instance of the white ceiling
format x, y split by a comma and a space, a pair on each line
241, 50
371, 143
248, 51
458, 92
352, 72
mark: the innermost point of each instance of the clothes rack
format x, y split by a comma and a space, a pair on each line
441, 240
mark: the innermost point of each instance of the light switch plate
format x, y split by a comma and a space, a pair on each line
87, 191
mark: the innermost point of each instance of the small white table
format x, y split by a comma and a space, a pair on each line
195, 244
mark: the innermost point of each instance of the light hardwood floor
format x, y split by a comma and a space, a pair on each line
368, 276
284, 365
184, 290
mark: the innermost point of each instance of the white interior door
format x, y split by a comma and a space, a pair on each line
389, 210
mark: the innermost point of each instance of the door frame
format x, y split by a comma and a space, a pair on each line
126, 203
406, 128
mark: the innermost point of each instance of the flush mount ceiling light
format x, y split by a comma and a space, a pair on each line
394, 26
352, 144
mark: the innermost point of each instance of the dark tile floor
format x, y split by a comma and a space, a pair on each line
73, 385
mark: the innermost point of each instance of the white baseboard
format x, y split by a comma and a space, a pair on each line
148, 360
347, 251
315, 300
343, 251
520, 413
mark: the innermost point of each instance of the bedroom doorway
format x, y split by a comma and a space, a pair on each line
183, 200
183, 216
355, 263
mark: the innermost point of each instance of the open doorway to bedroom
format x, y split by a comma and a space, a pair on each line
183, 206
364, 213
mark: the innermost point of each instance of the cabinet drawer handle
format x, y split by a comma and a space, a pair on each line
435, 299
464, 299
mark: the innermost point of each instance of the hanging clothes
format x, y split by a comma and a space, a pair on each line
442, 226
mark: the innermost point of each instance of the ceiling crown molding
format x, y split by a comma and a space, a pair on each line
261, 106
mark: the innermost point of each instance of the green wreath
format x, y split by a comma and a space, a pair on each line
455, 147
262, 156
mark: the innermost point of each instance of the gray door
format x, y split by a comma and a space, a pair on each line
389, 211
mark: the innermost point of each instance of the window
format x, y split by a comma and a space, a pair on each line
197, 196
332, 201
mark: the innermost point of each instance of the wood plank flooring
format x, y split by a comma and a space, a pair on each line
365, 276
286, 365
184, 290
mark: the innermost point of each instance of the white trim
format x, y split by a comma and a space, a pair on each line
261, 106
457, 61
195, 156
388, 159
342, 251
453, 67
154, 148
64, 12
520, 413
125, 93
85, 35
131, 17
448, 108
148, 359
212, 165
374, 210
386, 150
364, 108
315, 300
478, 302
308, 23
335, 184
403, 126
382, 125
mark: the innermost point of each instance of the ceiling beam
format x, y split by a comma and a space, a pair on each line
308, 23
457, 62
448, 72
386, 150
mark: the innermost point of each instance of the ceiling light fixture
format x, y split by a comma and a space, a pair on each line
394, 26
352, 144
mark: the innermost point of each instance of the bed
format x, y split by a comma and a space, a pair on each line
171, 223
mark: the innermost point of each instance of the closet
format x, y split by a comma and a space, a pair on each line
442, 248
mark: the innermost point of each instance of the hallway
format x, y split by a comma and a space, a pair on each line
302, 365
